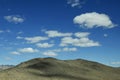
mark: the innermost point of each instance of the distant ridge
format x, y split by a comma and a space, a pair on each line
3, 67
54, 69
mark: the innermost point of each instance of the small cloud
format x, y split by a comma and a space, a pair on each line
35, 39
28, 50
54, 33
82, 34
44, 45
24, 50
75, 3
93, 19
50, 53
105, 35
15, 53
14, 19
69, 49
19, 37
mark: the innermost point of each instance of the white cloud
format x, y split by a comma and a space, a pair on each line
81, 34
28, 50
69, 49
14, 19
35, 39
116, 63
44, 45
80, 42
53, 33
15, 53
105, 35
19, 37
50, 53
93, 19
74, 3
24, 50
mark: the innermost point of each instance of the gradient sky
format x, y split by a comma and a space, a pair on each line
64, 29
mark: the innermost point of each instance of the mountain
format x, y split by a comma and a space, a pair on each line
54, 69
3, 67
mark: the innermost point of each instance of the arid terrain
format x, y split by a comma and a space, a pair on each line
54, 69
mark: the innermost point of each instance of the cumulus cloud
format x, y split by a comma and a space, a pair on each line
27, 50
80, 42
44, 45
53, 33
93, 19
14, 19
35, 39
81, 39
74, 3
50, 53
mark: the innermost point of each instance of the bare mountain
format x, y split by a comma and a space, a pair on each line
54, 69
3, 67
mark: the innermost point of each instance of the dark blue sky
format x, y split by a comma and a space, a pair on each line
30, 29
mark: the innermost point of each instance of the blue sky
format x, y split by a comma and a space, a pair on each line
64, 29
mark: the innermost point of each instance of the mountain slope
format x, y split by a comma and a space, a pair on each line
53, 69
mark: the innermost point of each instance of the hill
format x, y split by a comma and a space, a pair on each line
54, 69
